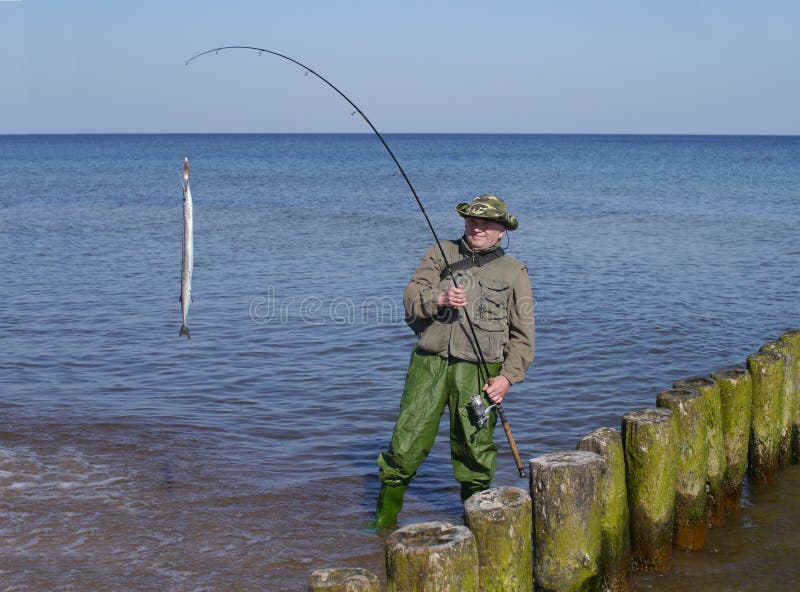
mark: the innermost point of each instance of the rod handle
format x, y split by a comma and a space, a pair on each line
512, 444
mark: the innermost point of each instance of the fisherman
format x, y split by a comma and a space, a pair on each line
445, 370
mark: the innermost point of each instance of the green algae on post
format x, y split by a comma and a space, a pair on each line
648, 438
716, 443
500, 518
691, 465
432, 556
785, 350
343, 579
615, 559
736, 397
566, 521
766, 368
793, 337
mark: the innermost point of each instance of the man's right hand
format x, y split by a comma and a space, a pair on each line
453, 297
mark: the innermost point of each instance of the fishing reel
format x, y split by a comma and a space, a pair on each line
481, 412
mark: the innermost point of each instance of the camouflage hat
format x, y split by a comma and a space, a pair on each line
488, 207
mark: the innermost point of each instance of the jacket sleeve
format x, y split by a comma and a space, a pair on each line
519, 351
421, 293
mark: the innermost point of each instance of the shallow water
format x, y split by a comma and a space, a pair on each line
755, 549
245, 458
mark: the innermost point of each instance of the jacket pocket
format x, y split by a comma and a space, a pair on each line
491, 318
492, 305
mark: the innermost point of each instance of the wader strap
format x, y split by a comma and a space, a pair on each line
473, 260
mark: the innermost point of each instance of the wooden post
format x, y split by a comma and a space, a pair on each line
500, 518
343, 579
691, 465
736, 397
766, 368
793, 337
716, 443
786, 351
432, 556
615, 559
648, 438
566, 520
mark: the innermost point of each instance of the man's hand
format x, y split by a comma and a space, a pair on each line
497, 388
453, 297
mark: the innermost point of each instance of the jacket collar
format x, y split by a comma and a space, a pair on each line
464, 249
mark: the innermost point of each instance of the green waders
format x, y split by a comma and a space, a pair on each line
433, 382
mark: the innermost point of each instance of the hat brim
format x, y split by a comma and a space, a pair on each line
509, 222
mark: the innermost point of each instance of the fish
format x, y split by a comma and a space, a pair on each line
187, 261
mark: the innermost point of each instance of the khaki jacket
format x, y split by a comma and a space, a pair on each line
499, 302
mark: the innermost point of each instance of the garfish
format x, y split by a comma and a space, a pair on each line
187, 262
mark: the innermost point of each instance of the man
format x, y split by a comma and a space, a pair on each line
445, 369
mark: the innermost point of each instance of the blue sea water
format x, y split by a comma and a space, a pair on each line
130, 458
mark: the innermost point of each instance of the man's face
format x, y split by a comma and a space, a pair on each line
482, 234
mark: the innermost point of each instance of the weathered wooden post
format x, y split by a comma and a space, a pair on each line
566, 520
648, 438
736, 397
715, 507
432, 556
615, 557
786, 351
343, 579
500, 519
766, 368
793, 337
691, 465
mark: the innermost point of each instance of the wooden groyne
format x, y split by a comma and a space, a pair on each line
621, 501
736, 400
691, 465
767, 369
567, 540
432, 556
615, 554
648, 437
715, 443
500, 519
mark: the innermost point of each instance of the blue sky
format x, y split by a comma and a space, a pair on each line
532, 66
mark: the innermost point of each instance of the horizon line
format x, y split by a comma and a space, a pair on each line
369, 133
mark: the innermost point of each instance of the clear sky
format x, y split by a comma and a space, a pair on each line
535, 66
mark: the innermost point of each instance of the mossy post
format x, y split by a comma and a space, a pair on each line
766, 368
793, 337
736, 397
648, 438
343, 579
615, 558
691, 465
500, 518
715, 505
567, 540
786, 351
432, 556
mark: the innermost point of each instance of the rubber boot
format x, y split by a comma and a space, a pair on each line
390, 501
468, 489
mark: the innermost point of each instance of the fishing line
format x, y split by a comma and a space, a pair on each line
475, 346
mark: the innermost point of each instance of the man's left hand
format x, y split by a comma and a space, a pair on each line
497, 388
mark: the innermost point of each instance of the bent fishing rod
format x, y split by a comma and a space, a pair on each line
476, 347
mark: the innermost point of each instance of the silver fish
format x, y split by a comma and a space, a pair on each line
187, 261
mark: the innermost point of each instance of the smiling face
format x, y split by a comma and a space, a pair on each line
482, 234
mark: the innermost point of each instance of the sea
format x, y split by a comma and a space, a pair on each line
244, 459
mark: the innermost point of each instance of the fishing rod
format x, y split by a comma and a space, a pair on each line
476, 347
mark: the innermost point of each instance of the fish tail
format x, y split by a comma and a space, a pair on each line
184, 331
